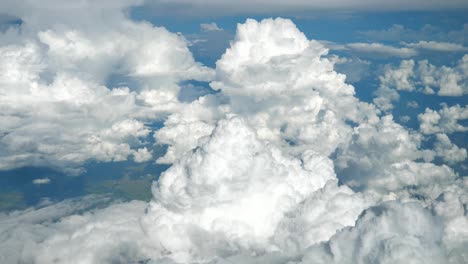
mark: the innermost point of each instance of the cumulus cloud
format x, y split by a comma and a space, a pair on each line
421, 77
282, 165
388, 233
437, 46
448, 151
445, 120
58, 109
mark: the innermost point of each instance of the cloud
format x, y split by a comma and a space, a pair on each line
210, 27
412, 104
372, 50
232, 180
437, 46
56, 233
380, 50
448, 151
388, 233
58, 108
403, 50
421, 77
445, 120
41, 181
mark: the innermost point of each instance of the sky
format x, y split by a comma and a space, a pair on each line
136, 131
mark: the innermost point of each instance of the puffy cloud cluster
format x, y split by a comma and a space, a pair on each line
422, 77
59, 108
446, 120
282, 165
282, 85
388, 233
440, 123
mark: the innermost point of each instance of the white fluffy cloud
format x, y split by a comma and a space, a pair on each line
234, 189
388, 233
57, 109
448, 151
271, 77
422, 77
445, 120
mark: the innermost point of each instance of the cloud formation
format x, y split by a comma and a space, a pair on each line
58, 108
421, 77
445, 120
282, 165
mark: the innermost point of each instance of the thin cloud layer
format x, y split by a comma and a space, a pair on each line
213, 7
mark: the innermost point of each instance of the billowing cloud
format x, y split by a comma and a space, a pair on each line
448, 151
421, 77
446, 120
388, 233
58, 108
